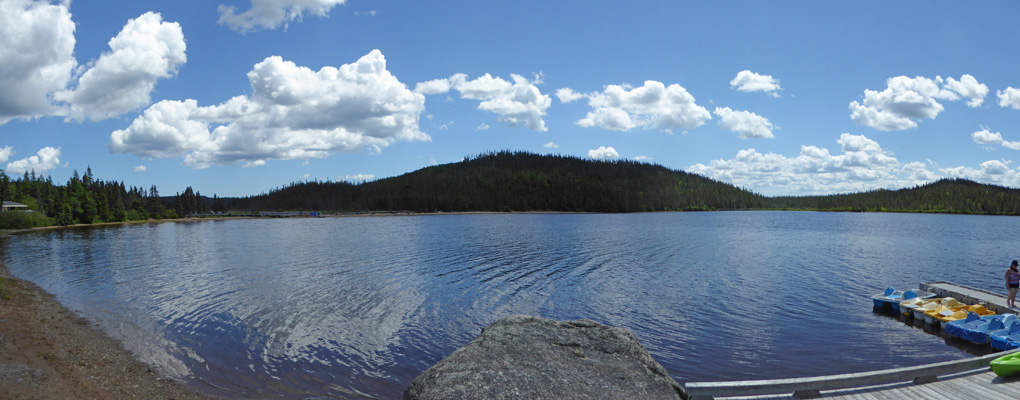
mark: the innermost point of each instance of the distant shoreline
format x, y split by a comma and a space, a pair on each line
402, 213
331, 215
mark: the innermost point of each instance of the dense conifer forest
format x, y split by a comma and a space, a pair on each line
499, 181
86, 200
517, 181
953, 196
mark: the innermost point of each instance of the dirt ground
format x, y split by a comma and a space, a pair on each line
48, 352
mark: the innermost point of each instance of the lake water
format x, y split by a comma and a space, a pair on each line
354, 307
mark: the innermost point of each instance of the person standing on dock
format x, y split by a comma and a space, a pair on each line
1012, 283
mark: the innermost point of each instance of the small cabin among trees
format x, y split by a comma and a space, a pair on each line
12, 206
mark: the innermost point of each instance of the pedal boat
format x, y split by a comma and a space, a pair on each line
975, 329
1007, 365
1006, 339
893, 298
909, 307
887, 298
933, 304
948, 307
962, 313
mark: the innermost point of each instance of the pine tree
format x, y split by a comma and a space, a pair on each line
153, 205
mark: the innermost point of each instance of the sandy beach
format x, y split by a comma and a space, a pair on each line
48, 352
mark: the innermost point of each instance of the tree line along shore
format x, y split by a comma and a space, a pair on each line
502, 181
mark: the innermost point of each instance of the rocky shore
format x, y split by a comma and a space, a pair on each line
48, 352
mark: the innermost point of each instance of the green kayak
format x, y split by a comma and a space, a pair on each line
1006, 365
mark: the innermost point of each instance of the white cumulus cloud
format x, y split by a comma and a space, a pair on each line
747, 124
46, 159
292, 113
747, 81
653, 105
996, 172
863, 165
146, 50
519, 102
907, 100
985, 136
567, 95
603, 153
551, 145
7, 151
969, 88
1009, 97
141, 168
435, 86
36, 56
356, 178
38, 74
989, 138
270, 14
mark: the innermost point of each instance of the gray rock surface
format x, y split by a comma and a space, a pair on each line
524, 357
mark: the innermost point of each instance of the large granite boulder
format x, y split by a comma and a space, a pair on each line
524, 357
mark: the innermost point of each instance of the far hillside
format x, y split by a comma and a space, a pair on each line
953, 196
502, 182
517, 181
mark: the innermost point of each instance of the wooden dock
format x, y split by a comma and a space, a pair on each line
968, 295
963, 379
977, 384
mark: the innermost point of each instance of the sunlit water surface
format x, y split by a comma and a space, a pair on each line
354, 307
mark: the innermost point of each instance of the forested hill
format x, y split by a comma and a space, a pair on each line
504, 181
955, 196
516, 181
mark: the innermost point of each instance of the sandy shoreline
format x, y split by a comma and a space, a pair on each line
48, 352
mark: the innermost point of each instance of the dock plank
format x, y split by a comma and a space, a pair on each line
959, 391
930, 392
987, 383
982, 384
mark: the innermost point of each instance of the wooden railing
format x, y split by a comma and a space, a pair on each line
811, 387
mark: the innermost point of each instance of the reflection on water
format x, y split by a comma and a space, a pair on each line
355, 307
936, 330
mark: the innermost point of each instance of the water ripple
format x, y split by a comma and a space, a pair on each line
357, 307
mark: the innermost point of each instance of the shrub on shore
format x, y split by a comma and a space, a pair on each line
22, 220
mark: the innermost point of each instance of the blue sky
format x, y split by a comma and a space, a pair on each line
236, 98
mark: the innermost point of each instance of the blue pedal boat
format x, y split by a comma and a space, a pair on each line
1006, 339
892, 298
975, 329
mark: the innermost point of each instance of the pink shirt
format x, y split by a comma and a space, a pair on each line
1012, 277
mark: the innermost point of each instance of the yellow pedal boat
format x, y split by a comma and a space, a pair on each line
930, 310
978, 309
909, 307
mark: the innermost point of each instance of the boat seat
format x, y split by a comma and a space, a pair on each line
1002, 322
